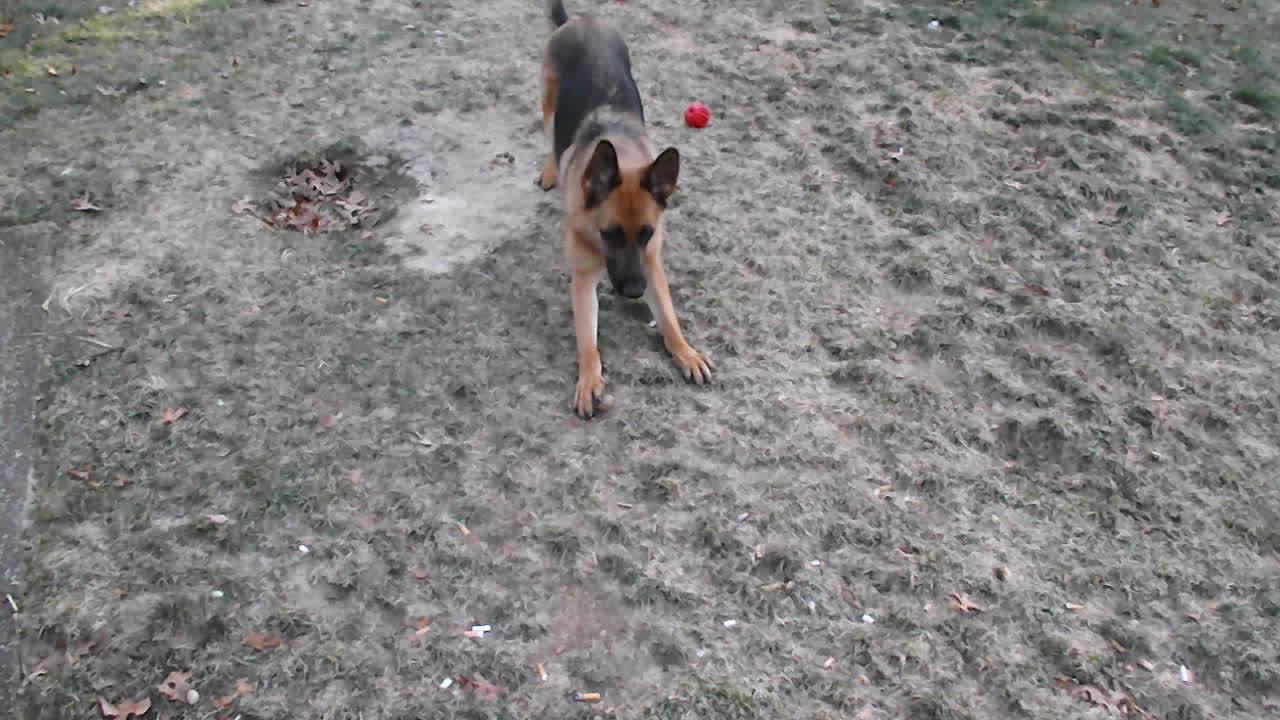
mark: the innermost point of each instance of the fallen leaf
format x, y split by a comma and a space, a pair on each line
83, 204
481, 688
79, 474
79, 650
1120, 704
960, 602
330, 419
262, 641
1223, 218
421, 625
172, 415
42, 667
176, 687
242, 688
356, 477
419, 573
126, 708
1112, 213
5, 29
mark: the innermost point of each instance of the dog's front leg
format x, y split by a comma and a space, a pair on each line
586, 322
693, 365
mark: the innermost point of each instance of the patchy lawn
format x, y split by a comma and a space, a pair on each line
992, 287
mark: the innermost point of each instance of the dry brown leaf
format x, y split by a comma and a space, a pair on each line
5, 29
262, 641
960, 602
1120, 704
243, 687
1223, 219
421, 626
79, 650
83, 204
125, 708
176, 687
172, 415
481, 688
43, 667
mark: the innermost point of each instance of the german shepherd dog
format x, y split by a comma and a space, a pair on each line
614, 187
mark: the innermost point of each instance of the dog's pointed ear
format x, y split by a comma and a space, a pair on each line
602, 174
663, 172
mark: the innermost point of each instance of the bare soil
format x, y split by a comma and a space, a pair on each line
991, 287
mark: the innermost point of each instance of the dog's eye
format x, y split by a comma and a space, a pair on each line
614, 235
643, 236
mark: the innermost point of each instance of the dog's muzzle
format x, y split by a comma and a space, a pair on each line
631, 288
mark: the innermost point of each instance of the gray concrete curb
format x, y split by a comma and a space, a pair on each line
25, 269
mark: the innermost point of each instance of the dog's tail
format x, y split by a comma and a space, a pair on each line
557, 13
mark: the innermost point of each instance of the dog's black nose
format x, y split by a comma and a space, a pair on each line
632, 289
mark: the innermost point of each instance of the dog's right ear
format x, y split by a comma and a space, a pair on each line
602, 174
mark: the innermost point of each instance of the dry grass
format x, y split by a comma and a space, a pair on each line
995, 307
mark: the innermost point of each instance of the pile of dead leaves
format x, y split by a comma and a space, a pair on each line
1117, 703
314, 200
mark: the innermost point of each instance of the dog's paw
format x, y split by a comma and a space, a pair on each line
589, 396
547, 178
693, 365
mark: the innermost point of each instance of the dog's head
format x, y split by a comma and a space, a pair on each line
626, 206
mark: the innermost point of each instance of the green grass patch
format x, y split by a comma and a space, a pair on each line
1262, 99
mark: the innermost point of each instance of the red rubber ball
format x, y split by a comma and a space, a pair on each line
697, 115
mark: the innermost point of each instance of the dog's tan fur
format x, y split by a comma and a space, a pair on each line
614, 184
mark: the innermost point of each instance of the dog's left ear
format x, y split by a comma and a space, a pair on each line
663, 172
